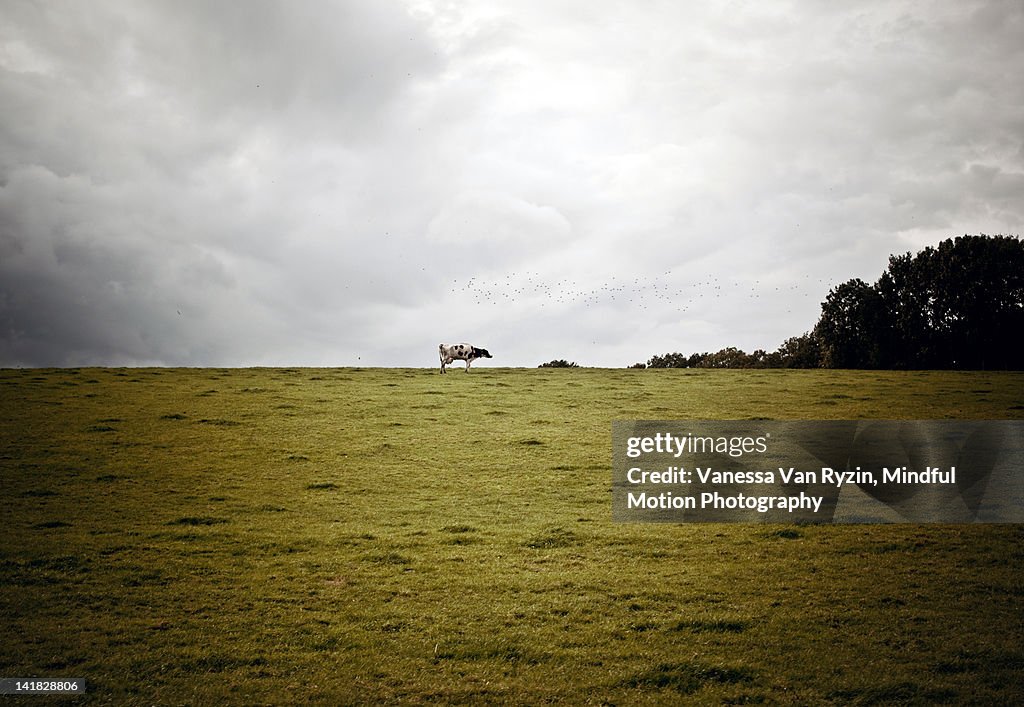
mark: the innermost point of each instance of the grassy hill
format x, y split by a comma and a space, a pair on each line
329, 536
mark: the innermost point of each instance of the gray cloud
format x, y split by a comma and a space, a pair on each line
351, 182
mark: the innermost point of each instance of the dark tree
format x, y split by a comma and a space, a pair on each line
800, 352
670, 360
850, 325
907, 337
760, 359
960, 305
977, 301
696, 360
729, 357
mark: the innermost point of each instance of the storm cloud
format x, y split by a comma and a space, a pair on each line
340, 183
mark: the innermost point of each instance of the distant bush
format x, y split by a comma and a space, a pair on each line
559, 363
796, 352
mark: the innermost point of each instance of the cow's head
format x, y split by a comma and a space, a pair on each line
481, 353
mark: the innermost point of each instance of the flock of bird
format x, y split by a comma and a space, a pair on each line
665, 291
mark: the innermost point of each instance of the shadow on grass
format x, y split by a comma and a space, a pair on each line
686, 678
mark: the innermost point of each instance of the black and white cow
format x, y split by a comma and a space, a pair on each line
460, 352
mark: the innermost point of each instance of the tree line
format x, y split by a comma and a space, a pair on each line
956, 306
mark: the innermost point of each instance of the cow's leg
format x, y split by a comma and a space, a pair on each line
442, 364
468, 361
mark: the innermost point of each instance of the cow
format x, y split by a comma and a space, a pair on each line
460, 352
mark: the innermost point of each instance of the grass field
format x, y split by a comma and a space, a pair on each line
340, 536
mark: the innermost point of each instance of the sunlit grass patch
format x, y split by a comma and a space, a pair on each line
553, 538
390, 558
458, 529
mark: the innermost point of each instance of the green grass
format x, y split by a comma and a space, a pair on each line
339, 536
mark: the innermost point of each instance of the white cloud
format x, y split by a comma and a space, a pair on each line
343, 182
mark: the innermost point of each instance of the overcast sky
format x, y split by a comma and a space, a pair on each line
353, 182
